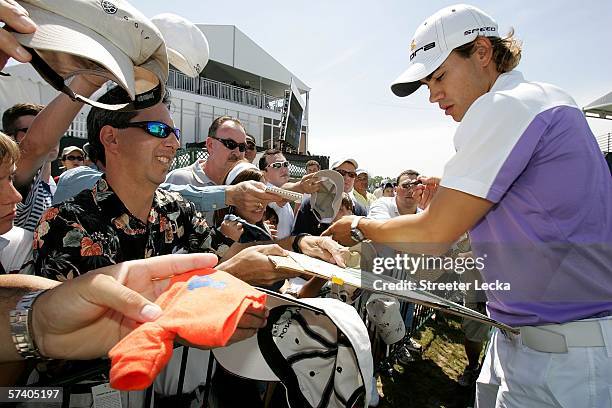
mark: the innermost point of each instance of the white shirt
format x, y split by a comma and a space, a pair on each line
16, 251
285, 219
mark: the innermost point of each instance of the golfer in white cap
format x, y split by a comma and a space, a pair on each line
531, 186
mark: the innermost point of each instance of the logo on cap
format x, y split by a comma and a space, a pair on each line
108, 7
412, 45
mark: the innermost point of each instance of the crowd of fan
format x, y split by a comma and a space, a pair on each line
115, 201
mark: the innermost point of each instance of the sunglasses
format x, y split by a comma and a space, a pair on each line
250, 146
410, 184
72, 158
279, 164
156, 129
351, 174
231, 144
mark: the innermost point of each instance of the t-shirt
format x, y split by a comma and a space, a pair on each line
35, 203
527, 148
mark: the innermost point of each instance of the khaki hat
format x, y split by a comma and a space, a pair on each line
70, 149
107, 38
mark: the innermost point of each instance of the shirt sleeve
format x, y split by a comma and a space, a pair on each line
206, 199
494, 143
379, 211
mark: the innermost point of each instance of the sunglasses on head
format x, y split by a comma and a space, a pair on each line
71, 158
351, 174
156, 129
279, 164
231, 144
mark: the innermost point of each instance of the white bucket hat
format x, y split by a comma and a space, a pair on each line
108, 38
318, 348
437, 37
326, 202
384, 312
237, 169
187, 46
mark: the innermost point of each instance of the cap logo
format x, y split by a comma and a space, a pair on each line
423, 48
108, 7
280, 328
412, 45
479, 29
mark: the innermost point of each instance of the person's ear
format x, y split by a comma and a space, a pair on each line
108, 138
483, 51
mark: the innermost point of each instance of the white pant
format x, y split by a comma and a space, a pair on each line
515, 376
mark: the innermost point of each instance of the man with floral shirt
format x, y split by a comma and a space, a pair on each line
126, 216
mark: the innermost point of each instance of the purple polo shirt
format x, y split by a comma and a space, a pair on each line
527, 148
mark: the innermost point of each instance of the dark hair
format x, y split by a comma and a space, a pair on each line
98, 118
212, 130
347, 202
248, 174
10, 116
506, 51
271, 215
406, 173
262, 160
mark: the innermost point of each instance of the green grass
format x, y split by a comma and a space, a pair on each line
430, 381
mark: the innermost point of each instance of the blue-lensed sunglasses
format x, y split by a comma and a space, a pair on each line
156, 129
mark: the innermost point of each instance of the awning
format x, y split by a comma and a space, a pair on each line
600, 108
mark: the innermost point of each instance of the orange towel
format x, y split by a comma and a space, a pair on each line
202, 306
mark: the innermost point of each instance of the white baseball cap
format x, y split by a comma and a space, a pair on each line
318, 348
359, 171
108, 38
187, 46
238, 168
437, 37
384, 312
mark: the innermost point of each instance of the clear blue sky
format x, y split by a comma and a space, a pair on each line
349, 52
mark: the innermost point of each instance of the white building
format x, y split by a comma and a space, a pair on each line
241, 80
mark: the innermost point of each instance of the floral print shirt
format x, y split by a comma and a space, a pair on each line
95, 229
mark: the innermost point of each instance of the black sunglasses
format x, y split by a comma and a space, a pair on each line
250, 146
351, 174
156, 129
231, 144
71, 158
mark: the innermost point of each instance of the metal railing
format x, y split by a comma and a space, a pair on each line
605, 142
215, 89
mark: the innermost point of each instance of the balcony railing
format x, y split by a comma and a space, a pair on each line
215, 89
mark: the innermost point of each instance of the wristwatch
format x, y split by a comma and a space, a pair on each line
356, 233
21, 326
